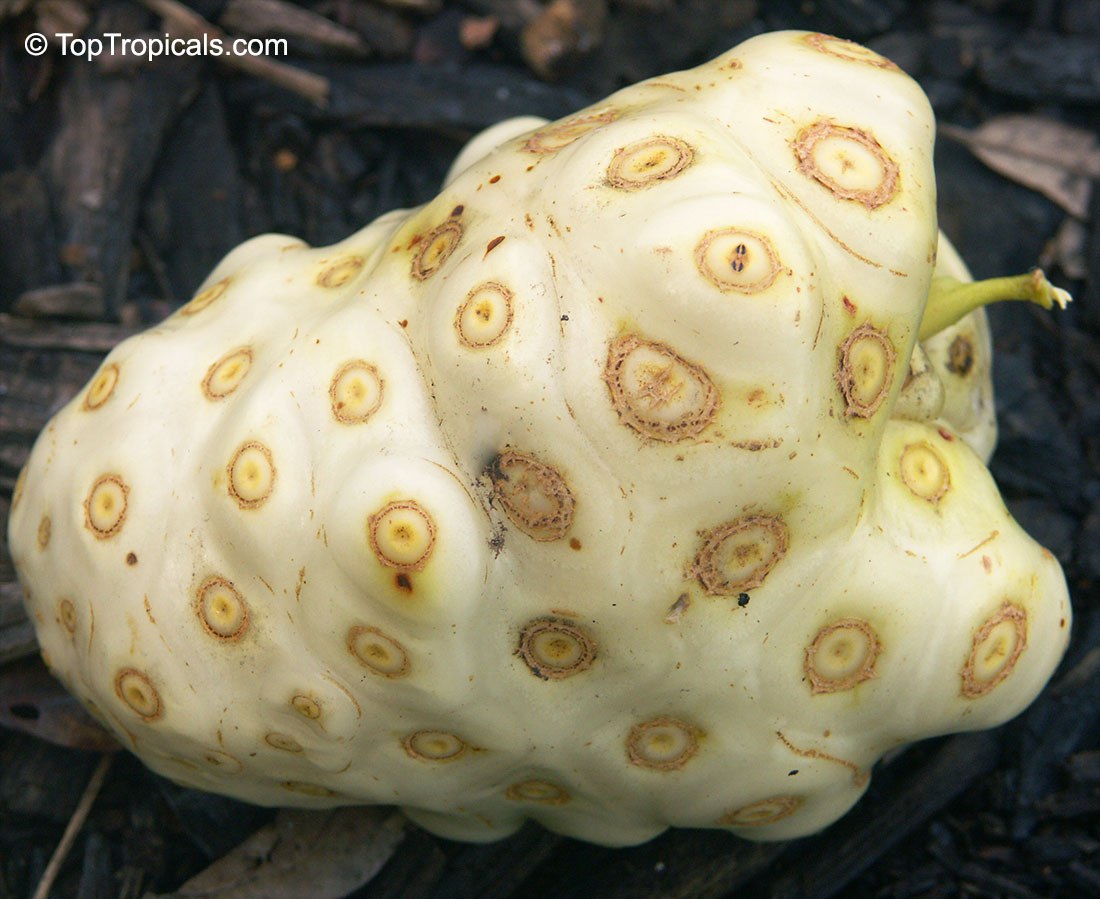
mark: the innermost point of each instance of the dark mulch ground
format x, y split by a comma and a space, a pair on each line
123, 182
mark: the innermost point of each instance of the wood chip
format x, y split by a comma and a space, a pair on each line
76, 300
17, 639
320, 854
32, 701
277, 18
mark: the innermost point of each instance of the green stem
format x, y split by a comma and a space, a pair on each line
950, 299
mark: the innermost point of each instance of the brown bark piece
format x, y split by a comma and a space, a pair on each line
108, 138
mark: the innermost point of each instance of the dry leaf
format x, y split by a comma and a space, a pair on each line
321, 854
33, 702
1059, 161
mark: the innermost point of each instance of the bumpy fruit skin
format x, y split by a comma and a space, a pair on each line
577, 494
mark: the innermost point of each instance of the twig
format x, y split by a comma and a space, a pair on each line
76, 822
306, 84
97, 338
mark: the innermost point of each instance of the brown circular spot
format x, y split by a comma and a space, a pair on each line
282, 742
995, 649
435, 249
226, 374
763, 811
66, 611
136, 690
662, 744
340, 272
734, 259
379, 652
848, 161
555, 649
306, 706
484, 317
842, 655
648, 161
560, 134
204, 298
924, 472
105, 507
102, 387
847, 50
537, 791
221, 609
356, 392
45, 528
738, 555
251, 474
434, 746
657, 392
535, 496
865, 370
402, 535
